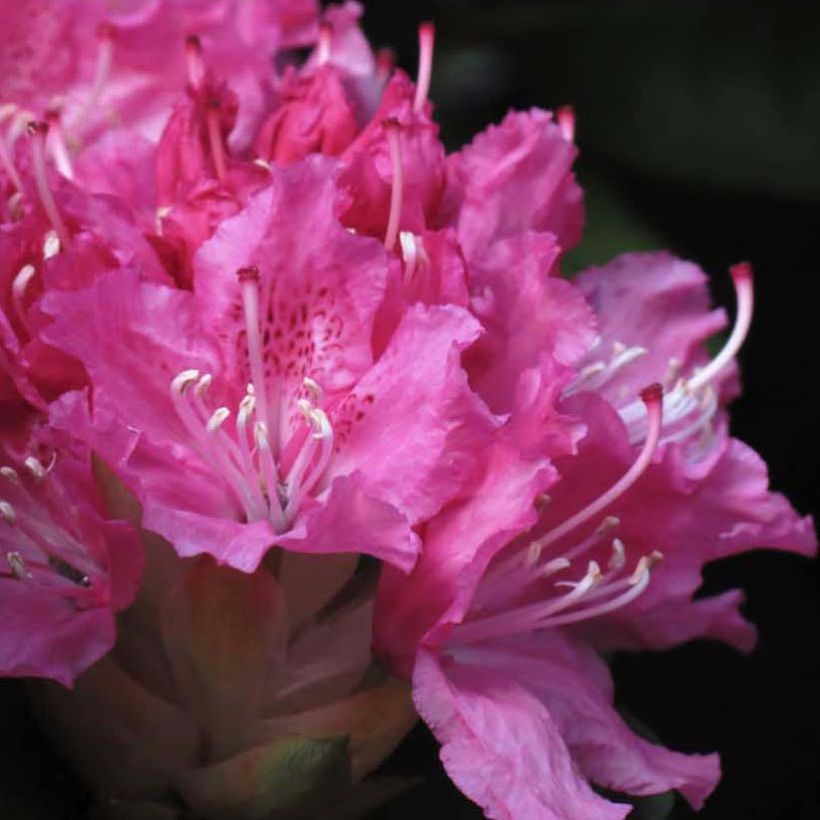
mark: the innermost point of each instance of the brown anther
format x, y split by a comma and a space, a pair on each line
37, 127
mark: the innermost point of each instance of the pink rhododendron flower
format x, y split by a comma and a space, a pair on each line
508, 626
365, 434
277, 334
66, 568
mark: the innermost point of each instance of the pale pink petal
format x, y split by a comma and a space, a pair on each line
574, 685
501, 746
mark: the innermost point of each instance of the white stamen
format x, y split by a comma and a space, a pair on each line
51, 244
393, 131
618, 559
35, 467
183, 380
10, 474
7, 512
18, 566
217, 419
744, 291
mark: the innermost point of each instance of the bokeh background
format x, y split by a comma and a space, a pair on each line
699, 130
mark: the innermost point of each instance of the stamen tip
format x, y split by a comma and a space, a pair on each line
193, 43
37, 128
565, 117
741, 272
652, 394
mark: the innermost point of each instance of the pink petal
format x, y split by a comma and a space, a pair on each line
350, 520
412, 425
44, 636
574, 686
512, 178
458, 544
525, 313
500, 745
654, 301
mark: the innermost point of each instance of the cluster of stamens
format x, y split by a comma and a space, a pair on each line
39, 539
249, 458
597, 592
689, 402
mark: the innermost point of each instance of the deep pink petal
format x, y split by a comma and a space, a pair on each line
654, 301
349, 520
512, 178
318, 297
525, 312
44, 636
413, 425
450, 565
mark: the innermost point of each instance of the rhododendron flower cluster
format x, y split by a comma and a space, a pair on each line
305, 435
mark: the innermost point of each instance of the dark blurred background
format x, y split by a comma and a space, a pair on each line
699, 130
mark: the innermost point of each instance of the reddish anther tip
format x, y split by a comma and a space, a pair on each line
741, 271
52, 115
391, 123
193, 42
385, 59
565, 117
214, 103
427, 29
37, 127
106, 31
652, 393
250, 273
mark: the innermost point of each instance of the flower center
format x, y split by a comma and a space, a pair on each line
596, 593
251, 459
